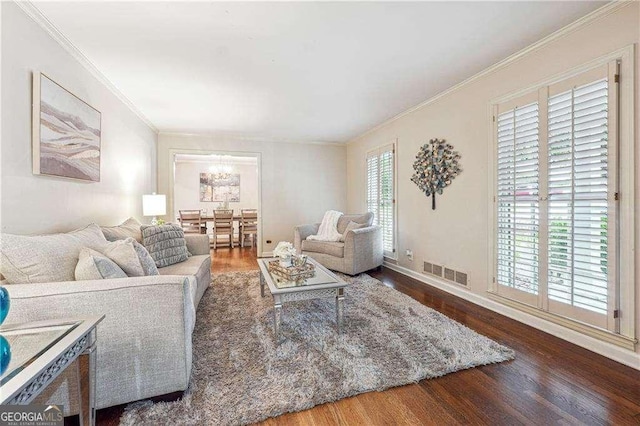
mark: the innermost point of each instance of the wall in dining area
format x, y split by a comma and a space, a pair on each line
187, 186
299, 181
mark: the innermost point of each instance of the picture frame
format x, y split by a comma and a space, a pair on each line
66, 133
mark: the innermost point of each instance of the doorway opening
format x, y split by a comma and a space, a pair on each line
212, 182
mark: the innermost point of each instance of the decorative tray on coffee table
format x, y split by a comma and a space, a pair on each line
292, 273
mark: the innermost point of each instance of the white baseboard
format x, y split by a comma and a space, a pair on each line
621, 355
266, 254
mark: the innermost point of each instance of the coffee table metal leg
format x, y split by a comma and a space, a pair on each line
261, 284
339, 308
277, 312
87, 370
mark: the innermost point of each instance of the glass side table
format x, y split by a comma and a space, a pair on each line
41, 351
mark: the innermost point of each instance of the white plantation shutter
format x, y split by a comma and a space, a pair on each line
381, 194
556, 168
578, 197
517, 201
372, 184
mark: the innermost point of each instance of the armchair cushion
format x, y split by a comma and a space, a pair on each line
362, 219
332, 248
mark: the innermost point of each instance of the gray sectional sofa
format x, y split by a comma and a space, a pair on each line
144, 342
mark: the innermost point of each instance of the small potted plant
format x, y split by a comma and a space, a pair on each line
285, 251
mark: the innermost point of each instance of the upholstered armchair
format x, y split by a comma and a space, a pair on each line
360, 251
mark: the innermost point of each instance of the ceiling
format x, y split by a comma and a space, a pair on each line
308, 71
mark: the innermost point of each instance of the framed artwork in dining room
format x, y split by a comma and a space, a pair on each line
66, 133
216, 188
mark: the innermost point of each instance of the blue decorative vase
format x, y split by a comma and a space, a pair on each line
5, 304
5, 354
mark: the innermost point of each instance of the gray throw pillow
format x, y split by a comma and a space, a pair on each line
148, 264
96, 266
352, 225
130, 228
165, 243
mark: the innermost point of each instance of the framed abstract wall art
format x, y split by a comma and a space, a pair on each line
214, 187
66, 133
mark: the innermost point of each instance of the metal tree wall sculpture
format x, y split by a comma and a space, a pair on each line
435, 167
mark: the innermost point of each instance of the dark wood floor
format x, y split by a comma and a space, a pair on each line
550, 381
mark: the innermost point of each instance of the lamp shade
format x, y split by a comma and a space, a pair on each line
154, 205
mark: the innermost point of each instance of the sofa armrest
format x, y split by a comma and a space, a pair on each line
301, 232
197, 244
144, 342
363, 248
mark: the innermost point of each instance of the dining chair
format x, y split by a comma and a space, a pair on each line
222, 226
248, 226
191, 222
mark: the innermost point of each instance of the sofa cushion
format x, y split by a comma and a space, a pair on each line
363, 219
165, 243
93, 265
351, 226
46, 258
332, 248
198, 266
128, 228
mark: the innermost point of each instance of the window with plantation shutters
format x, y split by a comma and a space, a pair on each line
578, 170
518, 198
381, 193
555, 197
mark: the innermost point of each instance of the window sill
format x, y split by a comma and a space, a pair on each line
588, 330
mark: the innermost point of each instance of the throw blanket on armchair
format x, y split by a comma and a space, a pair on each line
328, 228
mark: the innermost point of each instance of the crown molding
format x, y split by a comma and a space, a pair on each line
39, 18
249, 138
587, 19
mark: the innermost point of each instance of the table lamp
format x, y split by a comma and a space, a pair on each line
154, 205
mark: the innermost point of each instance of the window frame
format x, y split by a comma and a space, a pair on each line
623, 333
376, 152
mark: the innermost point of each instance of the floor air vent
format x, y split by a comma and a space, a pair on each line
432, 269
437, 270
461, 278
446, 273
449, 274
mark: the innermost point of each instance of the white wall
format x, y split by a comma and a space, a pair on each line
186, 188
35, 204
456, 233
299, 181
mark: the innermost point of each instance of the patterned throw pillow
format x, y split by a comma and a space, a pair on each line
128, 228
96, 266
165, 243
352, 225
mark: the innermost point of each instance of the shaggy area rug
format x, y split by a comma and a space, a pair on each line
241, 376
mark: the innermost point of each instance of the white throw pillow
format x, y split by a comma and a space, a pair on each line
96, 266
123, 252
45, 258
128, 228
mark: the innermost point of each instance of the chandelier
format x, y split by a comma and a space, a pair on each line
222, 169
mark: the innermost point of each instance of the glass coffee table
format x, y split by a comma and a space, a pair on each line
40, 351
324, 284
